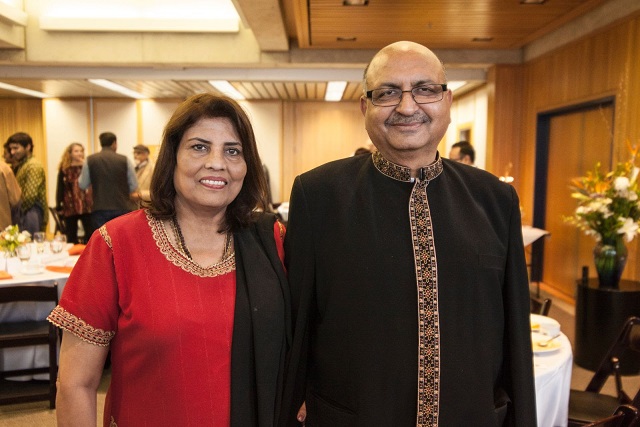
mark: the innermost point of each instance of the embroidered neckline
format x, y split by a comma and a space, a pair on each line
403, 173
179, 259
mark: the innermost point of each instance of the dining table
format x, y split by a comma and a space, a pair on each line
552, 365
44, 269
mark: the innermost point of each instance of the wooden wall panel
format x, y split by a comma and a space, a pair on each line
603, 64
319, 132
505, 86
24, 115
568, 249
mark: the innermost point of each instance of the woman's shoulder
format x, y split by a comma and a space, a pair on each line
131, 222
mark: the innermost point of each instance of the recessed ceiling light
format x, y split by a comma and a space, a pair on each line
107, 84
453, 85
355, 2
334, 91
24, 91
227, 88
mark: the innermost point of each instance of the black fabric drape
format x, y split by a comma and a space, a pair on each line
262, 331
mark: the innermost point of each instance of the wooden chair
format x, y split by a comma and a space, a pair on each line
539, 305
625, 416
30, 333
590, 405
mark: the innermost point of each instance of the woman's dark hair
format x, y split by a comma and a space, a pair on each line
252, 196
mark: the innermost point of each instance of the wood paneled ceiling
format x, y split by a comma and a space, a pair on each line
325, 28
438, 24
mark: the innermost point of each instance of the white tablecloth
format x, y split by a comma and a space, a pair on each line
34, 356
553, 381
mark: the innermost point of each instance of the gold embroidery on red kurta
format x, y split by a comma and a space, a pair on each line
177, 258
78, 327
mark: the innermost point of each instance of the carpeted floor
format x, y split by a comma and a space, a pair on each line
38, 414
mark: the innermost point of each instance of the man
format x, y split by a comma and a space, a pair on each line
30, 175
113, 179
463, 152
144, 171
10, 195
391, 328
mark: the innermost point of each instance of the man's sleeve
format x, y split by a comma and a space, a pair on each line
13, 188
131, 177
85, 178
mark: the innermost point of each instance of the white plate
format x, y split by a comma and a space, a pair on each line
32, 269
536, 338
544, 324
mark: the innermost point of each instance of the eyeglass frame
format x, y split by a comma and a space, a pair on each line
369, 94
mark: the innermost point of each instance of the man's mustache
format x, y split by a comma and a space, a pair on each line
399, 119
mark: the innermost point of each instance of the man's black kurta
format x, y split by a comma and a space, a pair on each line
354, 257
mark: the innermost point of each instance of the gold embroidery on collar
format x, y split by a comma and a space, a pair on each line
105, 235
173, 255
403, 173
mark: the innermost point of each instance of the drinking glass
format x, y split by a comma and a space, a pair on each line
58, 243
39, 237
24, 253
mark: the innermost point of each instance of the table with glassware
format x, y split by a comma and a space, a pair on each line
552, 365
42, 267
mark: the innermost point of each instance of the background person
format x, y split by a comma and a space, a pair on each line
10, 195
389, 329
34, 210
189, 295
113, 179
73, 203
463, 152
144, 171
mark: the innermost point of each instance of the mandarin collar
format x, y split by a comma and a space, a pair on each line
403, 173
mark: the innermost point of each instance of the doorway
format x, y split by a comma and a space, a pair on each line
569, 142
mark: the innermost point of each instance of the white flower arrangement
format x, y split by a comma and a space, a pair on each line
11, 237
609, 204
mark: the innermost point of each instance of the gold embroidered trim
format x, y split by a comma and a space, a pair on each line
282, 230
424, 253
113, 422
105, 235
78, 327
428, 316
403, 173
177, 258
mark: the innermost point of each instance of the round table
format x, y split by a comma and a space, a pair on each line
552, 371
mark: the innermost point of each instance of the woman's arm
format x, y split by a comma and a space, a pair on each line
81, 366
60, 190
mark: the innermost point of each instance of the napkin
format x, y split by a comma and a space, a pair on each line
59, 268
5, 275
77, 249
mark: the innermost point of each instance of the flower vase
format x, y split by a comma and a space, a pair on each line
610, 257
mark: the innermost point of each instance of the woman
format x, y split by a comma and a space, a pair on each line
189, 295
72, 203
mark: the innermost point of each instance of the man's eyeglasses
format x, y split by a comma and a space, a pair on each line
389, 97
